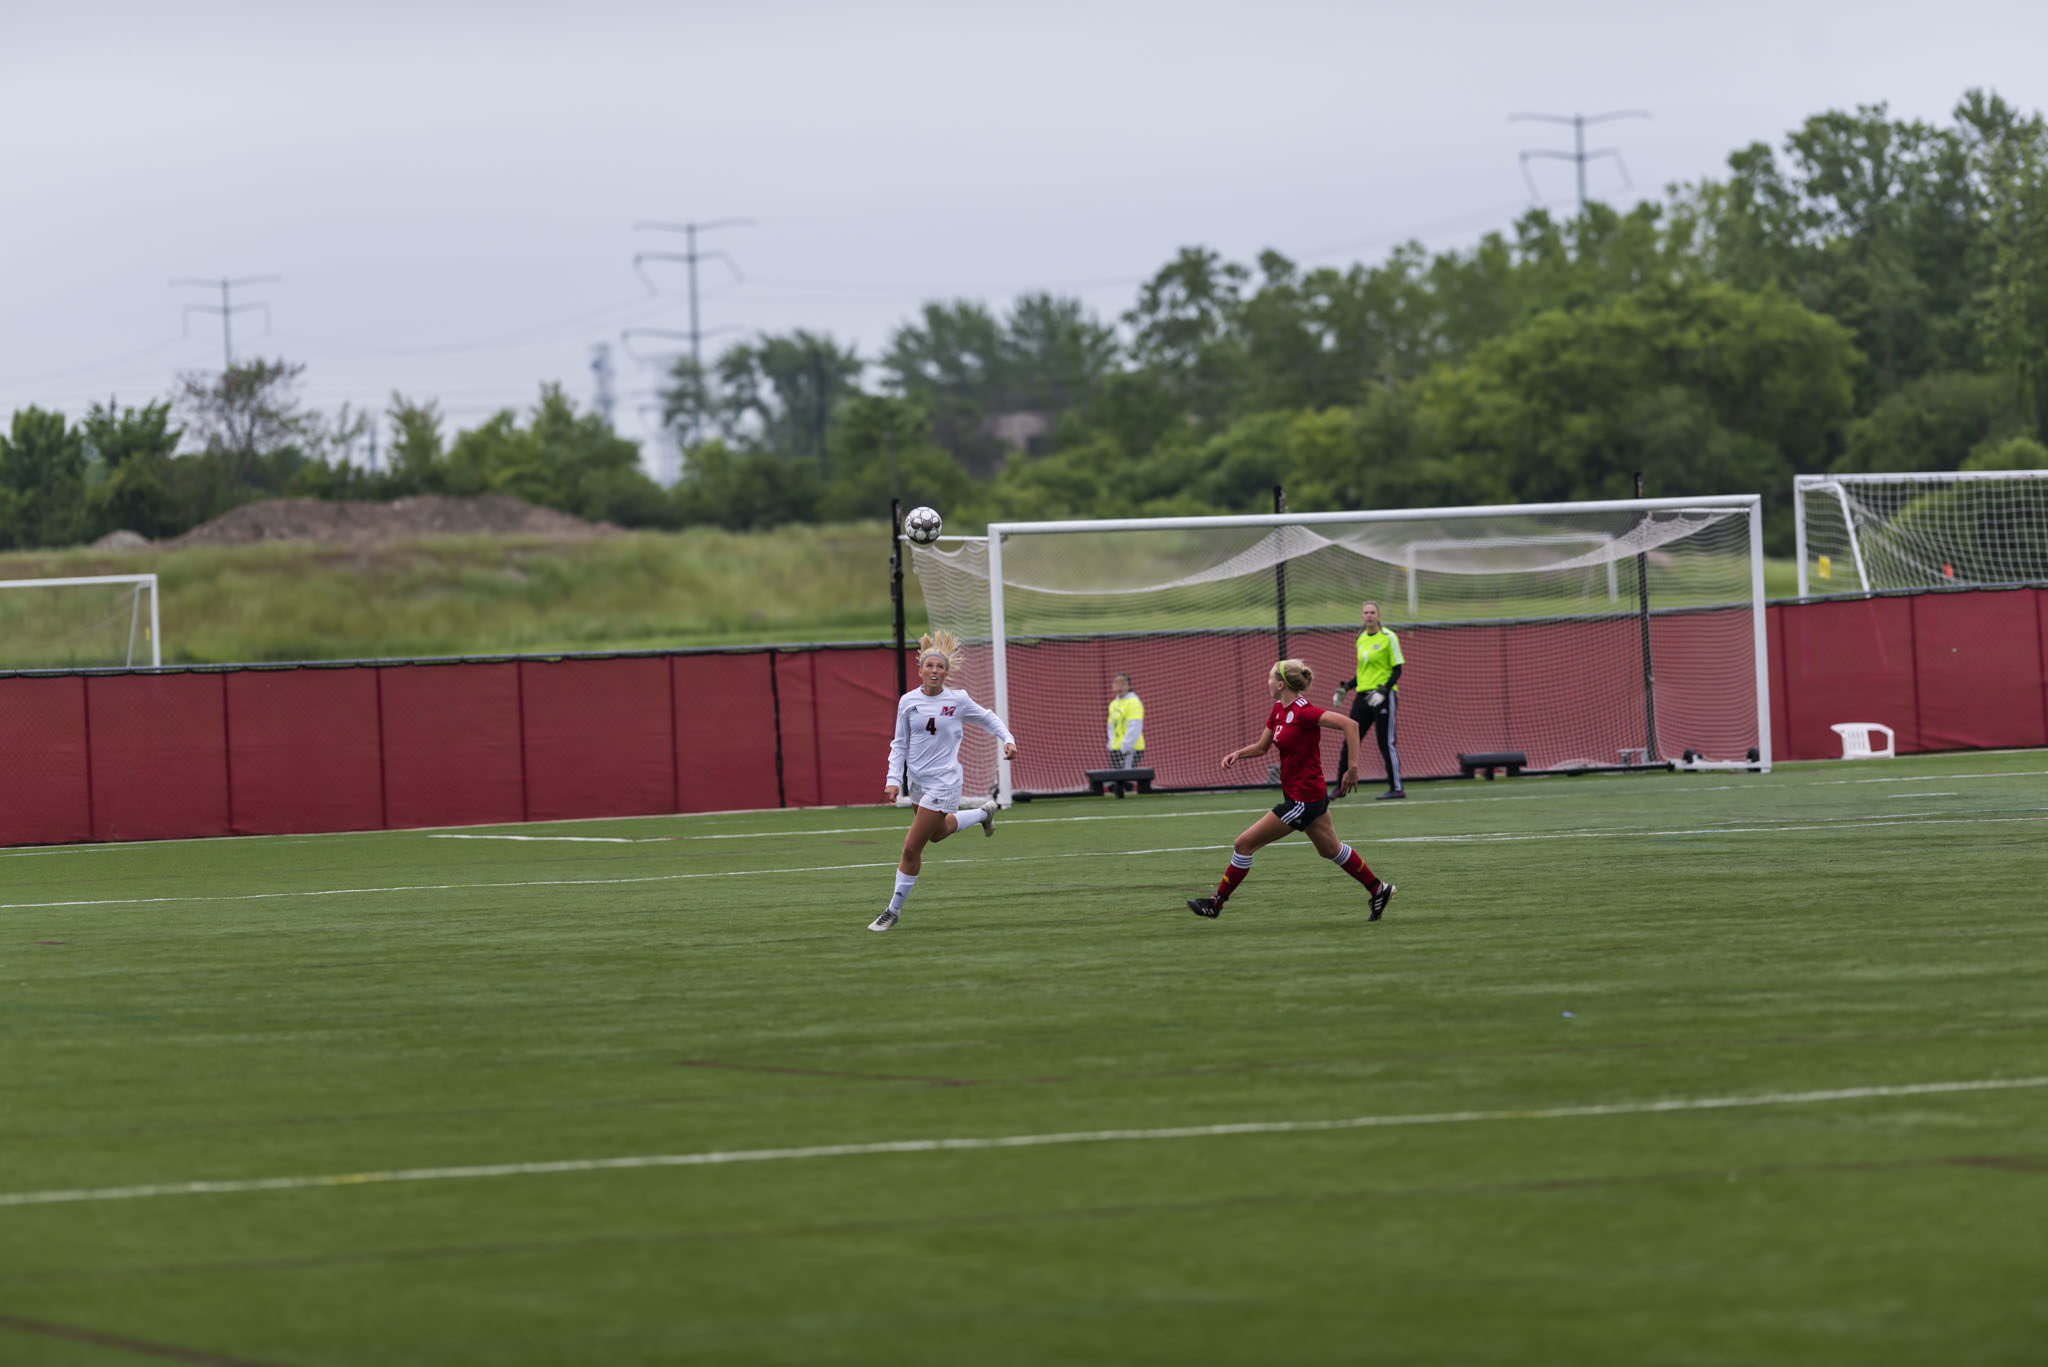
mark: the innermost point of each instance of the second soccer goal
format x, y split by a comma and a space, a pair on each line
1599, 635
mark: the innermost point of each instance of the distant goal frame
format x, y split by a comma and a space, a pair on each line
149, 581
1839, 485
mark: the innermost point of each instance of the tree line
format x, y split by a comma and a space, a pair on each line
1870, 295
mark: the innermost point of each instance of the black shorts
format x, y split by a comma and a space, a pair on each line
1301, 815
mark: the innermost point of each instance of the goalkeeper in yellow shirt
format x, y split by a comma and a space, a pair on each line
1375, 689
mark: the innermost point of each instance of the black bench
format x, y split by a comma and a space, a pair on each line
1486, 761
1100, 780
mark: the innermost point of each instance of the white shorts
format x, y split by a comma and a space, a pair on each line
946, 799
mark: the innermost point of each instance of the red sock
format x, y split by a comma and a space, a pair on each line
1353, 863
1240, 865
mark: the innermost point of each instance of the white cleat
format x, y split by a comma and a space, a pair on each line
885, 921
988, 823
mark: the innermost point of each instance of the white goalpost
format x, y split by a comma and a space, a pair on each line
1869, 533
94, 621
1625, 634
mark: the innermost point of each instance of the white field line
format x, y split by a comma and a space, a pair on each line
1890, 822
561, 839
1908, 797
1550, 795
1927, 778
721, 1157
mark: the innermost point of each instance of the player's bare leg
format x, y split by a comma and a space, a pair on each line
1322, 833
926, 826
1256, 836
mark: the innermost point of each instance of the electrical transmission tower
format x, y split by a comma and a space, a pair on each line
225, 308
1578, 154
601, 370
691, 256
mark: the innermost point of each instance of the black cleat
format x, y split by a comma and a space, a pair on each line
1391, 792
1205, 906
1383, 895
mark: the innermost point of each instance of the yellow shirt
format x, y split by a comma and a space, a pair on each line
1122, 712
1378, 653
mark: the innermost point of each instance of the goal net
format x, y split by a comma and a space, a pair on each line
1866, 533
1587, 636
95, 621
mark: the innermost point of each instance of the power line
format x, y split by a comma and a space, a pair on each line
111, 362
502, 340
225, 309
1578, 154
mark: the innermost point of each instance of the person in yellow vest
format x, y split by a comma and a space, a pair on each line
1374, 690
1126, 725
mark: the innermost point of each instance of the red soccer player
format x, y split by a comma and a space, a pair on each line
1296, 725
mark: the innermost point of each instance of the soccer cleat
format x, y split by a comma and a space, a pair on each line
1391, 792
1205, 906
988, 823
885, 921
1383, 895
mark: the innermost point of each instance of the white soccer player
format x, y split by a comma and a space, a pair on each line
926, 750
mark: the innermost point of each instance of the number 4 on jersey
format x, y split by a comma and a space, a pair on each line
931, 726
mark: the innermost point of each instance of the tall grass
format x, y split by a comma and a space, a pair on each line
505, 595
491, 595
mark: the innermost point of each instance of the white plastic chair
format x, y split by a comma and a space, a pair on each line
1856, 739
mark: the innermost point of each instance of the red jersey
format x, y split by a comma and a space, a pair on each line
1300, 742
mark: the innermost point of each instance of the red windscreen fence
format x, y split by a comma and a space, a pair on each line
402, 744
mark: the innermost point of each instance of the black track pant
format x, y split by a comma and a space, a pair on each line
1379, 721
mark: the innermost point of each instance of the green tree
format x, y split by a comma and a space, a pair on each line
1185, 330
1933, 423
2012, 453
1049, 356
42, 481
1708, 389
2014, 319
418, 452
134, 451
777, 394
743, 489
1056, 352
884, 448
249, 424
560, 459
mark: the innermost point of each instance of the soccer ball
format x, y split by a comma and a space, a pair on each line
923, 525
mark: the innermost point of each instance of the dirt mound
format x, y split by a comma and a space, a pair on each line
373, 524
123, 540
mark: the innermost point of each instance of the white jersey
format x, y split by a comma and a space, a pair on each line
928, 736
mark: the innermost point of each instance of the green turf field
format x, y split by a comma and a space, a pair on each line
1654, 1069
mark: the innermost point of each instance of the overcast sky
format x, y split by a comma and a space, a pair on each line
446, 191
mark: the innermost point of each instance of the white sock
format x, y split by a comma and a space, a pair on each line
1342, 856
973, 816
904, 883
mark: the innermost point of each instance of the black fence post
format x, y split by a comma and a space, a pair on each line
775, 696
1650, 752
1280, 568
896, 593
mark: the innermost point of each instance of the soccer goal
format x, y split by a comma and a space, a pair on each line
1587, 636
90, 622
1868, 533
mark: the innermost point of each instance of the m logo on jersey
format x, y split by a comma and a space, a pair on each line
945, 711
